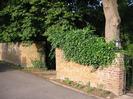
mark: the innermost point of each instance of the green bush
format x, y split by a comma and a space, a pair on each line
81, 45
67, 81
129, 50
38, 64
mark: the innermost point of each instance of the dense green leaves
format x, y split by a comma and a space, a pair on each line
81, 45
23, 20
27, 20
63, 21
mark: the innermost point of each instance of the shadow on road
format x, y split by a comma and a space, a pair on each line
4, 66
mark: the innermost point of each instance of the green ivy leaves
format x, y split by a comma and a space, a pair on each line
29, 20
82, 46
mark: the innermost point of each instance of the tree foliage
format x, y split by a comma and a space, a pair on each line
126, 14
27, 20
64, 22
22, 20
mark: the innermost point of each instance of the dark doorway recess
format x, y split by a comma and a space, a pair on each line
50, 56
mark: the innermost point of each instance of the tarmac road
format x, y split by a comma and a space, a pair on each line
16, 84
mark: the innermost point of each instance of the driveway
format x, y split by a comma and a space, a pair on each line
15, 84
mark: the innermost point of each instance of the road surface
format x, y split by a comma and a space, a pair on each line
16, 84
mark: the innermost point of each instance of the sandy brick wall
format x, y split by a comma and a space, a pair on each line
18, 53
110, 78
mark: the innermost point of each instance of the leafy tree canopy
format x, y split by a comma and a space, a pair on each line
31, 20
27, 20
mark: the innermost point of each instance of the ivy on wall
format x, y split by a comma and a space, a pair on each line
81, 45
31, 20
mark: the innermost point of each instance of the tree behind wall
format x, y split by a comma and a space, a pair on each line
112, 28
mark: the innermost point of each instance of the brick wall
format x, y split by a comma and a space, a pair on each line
110, 78
19, 54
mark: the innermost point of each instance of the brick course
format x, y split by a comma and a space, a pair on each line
111, 78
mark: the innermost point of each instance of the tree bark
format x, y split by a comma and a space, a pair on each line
112, 26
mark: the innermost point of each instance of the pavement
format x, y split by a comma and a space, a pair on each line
127, 96
124, 97
16, 84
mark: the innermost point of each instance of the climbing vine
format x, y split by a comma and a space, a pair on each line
81, 45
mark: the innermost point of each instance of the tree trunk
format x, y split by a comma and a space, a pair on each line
112, 29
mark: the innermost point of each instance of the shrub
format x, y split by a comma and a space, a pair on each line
81, 45
38, 64
68, 81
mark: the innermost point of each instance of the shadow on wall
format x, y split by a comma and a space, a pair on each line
11, 53
22, 54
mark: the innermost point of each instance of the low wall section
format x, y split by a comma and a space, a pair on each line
19, 53
111, 78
